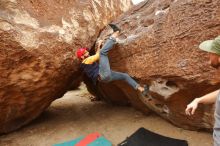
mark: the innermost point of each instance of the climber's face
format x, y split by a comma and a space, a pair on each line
85, 55
214, 60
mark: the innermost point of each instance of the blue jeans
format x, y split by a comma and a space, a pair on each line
105, 73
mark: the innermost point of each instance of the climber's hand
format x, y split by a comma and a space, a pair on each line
99, 43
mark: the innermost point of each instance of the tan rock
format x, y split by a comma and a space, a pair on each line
160, 48
38, 39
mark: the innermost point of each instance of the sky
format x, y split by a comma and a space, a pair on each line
137, 1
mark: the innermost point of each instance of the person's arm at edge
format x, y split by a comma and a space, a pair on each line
206, 99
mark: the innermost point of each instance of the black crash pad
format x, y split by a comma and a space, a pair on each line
143, 137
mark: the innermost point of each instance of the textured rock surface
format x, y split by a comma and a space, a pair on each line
160, 48
37, 41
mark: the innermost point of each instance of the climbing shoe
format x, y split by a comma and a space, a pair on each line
146, 89
114, 27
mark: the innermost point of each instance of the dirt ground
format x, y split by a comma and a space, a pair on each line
75, 115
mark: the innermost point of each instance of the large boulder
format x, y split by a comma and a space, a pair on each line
159, 47
38, 39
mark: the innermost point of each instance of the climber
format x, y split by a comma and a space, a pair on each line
213, 47
101, 72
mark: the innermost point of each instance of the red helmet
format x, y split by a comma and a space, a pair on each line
80, 52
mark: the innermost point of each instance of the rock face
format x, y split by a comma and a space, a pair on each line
160, 48
38, 39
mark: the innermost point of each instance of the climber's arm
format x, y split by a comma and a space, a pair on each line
94, 58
